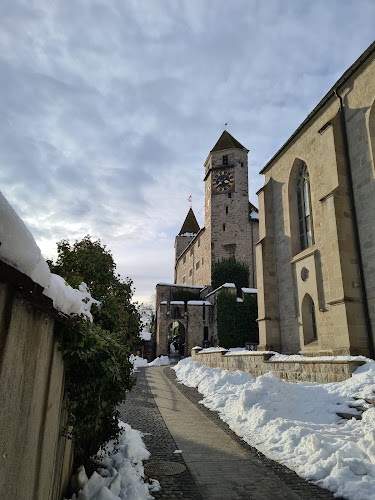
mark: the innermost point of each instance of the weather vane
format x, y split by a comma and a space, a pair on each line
225, 126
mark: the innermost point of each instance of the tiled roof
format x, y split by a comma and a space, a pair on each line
190, 225
227, 141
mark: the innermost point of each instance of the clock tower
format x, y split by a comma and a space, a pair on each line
227, 201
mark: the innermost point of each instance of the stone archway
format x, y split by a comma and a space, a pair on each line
176, 338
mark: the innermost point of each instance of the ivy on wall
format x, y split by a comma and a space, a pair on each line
185, 295
230, 270
236, 321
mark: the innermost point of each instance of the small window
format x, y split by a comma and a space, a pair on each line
223, 227
202, 261
205, 333
184, 259
241, 163
229, 195
197, 265
226, 210
190, 272
199, 242
191, 252
184, 279
225, 160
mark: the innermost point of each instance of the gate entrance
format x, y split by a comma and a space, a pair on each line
176, 339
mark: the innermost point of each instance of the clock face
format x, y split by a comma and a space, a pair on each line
222, 181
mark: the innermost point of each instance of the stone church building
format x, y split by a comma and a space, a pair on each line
231, 229
316, 249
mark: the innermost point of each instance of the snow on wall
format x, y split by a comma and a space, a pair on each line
19, 249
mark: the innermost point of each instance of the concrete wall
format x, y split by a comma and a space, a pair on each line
290, 371
35, 459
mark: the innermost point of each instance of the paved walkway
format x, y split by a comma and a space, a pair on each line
220, 465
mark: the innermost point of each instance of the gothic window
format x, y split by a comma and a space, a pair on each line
225, 160
197, 265
304, 208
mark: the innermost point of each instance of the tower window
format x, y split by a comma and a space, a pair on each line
184, 259
190, 272
202, 261
226, 210
223, 227
241, 163
199, 242
184, 279
229, 195
225, 160
197, 265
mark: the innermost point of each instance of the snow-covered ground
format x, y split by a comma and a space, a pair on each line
296, 423
121, 475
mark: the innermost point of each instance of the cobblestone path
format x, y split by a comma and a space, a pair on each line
214, 473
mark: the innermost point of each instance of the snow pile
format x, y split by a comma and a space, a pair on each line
121, 475
296, 424
162, 361
19, 249
145, 336
140, 362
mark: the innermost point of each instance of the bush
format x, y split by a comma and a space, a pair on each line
96, 355
230, 271
236, 321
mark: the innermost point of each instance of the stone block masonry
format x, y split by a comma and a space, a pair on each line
259, 363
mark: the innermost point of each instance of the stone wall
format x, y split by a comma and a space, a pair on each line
327, 271
36, 460
193, 267
290, 371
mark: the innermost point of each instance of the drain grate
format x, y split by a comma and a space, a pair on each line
163, 468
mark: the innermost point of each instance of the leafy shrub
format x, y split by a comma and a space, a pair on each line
96, 355
185, 295
236, 321
230, 271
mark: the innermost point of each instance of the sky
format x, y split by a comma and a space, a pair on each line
109, 108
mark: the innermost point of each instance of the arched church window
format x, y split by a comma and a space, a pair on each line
306, 238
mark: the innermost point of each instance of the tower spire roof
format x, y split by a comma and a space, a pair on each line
227, 141
190, 225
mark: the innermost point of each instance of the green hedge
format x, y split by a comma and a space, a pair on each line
230, 271
236, 321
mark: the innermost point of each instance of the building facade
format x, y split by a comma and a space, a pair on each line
231, 222
316, 249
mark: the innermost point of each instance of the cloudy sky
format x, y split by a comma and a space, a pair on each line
109, 108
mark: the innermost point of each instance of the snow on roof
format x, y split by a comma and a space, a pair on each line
180, 286
177, 303
199, 303
254, 215
19, 249
226, 285
239, 299
164, 302
249, 290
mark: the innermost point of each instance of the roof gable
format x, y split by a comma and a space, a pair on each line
190, 225
227, 141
